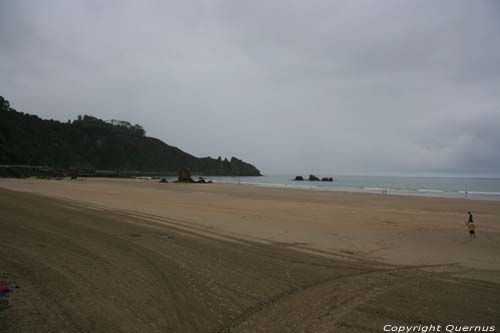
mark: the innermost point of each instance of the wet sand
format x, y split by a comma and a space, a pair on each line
136, 255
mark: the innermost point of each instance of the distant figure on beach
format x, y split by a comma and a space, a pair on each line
471, 226
466, 195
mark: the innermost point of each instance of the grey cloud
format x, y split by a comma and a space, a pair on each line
326, 86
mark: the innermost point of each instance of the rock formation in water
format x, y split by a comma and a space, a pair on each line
184, 175
313, 178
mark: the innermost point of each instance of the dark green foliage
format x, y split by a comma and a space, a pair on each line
89, 143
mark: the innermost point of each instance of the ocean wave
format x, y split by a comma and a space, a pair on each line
430, 191
338, 186
305, 187
267, 184
481, 193
375, 189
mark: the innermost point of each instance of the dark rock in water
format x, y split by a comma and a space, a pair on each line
163, 180
313, 178
73, 177
201, 180
184, 175
299, 178
326, 179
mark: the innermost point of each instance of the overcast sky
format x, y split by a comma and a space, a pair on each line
296, 87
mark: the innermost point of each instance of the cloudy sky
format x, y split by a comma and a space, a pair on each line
374, 87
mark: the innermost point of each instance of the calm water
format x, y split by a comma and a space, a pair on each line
477, 188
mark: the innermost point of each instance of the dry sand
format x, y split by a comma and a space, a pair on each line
137, 255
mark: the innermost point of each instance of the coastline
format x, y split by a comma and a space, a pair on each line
473, 188
138, 255
394, 229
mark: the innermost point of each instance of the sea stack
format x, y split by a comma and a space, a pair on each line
313, 178
184, 175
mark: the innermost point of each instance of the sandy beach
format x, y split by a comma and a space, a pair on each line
137, 255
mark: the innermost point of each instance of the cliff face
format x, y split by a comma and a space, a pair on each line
93, 144
234, 167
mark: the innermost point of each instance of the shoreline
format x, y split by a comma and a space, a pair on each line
323, 186
301, 189
390, 193
428, 194
394, 229
347, 183
76, 266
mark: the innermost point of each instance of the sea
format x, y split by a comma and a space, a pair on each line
448, 187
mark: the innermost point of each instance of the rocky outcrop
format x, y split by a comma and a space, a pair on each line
202, 180
224, 167
313, 178
184, 175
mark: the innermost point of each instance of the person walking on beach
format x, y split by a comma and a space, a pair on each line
471, 226
472, 230
471, 218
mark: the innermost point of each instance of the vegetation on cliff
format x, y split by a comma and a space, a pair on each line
89, 143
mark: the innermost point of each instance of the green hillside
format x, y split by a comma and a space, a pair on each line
89, 143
